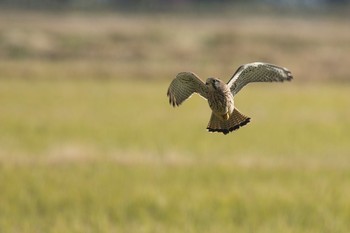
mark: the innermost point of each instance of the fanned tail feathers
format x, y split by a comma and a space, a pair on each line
235, 121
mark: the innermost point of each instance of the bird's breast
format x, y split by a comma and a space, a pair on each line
221, 102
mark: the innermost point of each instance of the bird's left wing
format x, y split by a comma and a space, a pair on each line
257, 72
183, 86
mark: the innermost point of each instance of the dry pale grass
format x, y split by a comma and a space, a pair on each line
155, 47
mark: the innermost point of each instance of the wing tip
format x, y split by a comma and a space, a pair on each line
172, 99
289, 74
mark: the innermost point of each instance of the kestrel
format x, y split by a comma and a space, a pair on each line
225, 116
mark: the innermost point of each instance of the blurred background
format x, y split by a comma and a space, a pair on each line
89, 143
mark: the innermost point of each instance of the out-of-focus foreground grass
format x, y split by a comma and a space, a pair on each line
88, 142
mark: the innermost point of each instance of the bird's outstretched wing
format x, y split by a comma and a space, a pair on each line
183, 86
257, 72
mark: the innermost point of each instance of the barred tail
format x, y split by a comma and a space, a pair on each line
235, 121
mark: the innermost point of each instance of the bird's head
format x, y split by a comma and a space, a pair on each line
213, 83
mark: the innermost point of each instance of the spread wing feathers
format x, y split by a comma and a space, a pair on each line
257, 72
183, 86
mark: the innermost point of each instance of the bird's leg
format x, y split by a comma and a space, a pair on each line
226, 116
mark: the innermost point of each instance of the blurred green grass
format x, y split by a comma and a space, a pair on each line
114, 156
89, 143
36, 115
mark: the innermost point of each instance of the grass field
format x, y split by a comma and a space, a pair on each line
89, 143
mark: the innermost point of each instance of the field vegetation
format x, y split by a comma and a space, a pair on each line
89, 143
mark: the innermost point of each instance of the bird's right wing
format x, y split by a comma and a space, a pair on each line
257, 72
183, 86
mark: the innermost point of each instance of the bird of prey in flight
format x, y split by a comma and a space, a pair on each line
225, 116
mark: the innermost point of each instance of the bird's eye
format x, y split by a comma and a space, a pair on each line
216, 84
